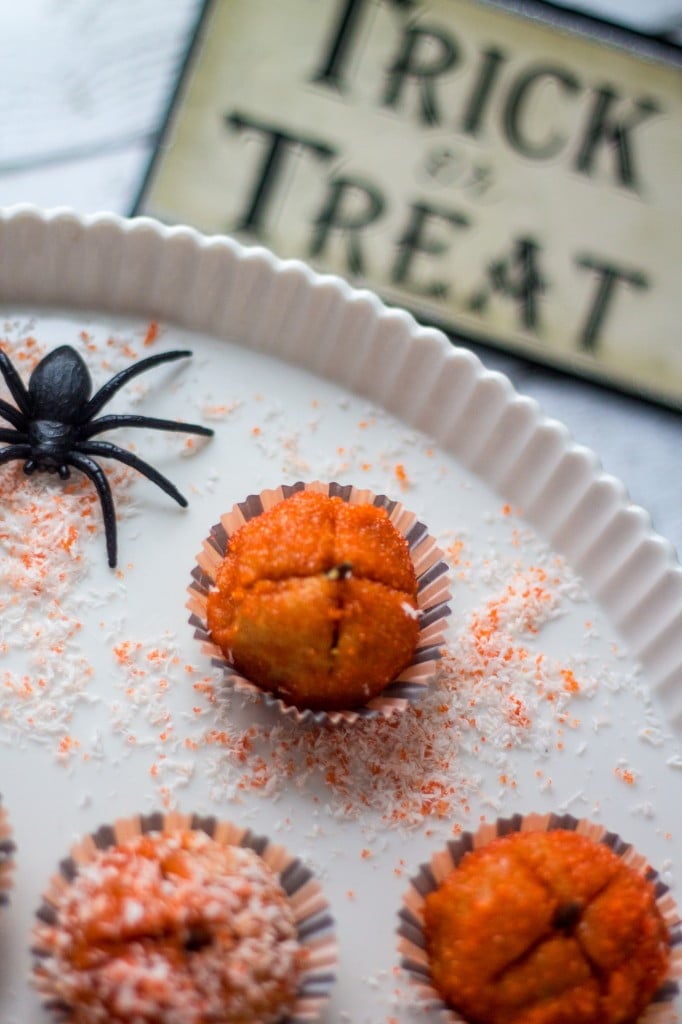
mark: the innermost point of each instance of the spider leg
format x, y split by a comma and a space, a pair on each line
108, 390
15, 384
14, 451
98, 477
112, 451
109, 422
13, 436
12, 415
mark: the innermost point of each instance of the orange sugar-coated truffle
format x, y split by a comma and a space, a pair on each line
545, 928
316, 601
170, 928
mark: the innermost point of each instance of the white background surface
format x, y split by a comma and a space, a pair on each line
85, 84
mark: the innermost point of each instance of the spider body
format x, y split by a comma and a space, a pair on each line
55, 418
51, 442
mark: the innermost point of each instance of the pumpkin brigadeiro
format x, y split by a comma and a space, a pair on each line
545, 928
316, 602
169, 928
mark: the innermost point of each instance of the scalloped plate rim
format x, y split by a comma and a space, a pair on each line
178, 240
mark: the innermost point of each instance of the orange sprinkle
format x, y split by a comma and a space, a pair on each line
625, 775
401, 476
454, 551
122, 652
156, 655
67, 744
571, 684
152, 333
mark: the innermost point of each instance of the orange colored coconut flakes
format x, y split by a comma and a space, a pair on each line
491, 693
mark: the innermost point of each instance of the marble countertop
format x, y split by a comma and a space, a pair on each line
85, 85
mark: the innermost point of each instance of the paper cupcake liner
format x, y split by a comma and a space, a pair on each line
314, 923
6, 851
433, 596
412, 943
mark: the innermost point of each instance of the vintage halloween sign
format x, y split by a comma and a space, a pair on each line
512, 180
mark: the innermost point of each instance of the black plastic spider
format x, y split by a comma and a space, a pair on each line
54, 422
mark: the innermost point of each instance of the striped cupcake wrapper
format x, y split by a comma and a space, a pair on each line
433, 596
314, 923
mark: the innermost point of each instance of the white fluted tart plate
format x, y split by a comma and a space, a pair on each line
561, 682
